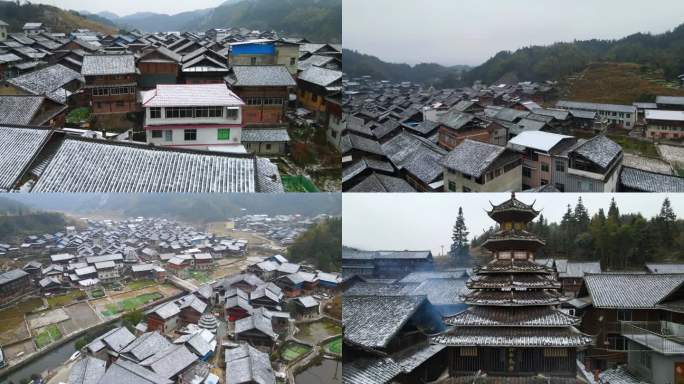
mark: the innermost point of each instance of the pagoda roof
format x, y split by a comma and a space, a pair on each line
512, 266
513, 281
513, 210
567, 337
513, 298
512, 239
512, 317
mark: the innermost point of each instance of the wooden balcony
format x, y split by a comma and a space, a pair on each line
661, 336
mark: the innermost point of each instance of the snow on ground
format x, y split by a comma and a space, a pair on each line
647, 164
672, 154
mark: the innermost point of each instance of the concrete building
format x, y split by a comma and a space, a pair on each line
474, 166
664, 124
197, 116
624, 116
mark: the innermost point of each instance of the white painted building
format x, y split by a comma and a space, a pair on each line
621, 115
196, 116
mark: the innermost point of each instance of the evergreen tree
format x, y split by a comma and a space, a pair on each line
613, 211
666, 221
459, 238
581, 216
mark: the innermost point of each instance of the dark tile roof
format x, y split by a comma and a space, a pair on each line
260, 76
472, 157
376, 182
616, 290
18, 147
636, 179
19, 109
600, 150
418, 156
94, 65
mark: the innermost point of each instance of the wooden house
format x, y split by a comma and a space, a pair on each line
111, 83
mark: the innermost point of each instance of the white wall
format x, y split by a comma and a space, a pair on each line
205, 137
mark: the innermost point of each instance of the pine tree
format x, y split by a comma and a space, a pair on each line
581, 216
666, 221
613, 211
459, 237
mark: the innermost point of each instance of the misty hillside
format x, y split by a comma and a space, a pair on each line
357, 64
187, 207
58, 20
316, 20
664, 52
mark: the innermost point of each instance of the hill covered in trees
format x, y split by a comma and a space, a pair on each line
58, 20
554, 62
316, 20
320, 246
18, 220
618, 241
357, 64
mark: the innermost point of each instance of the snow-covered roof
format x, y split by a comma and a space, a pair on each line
657, 114
539, 140
184, 95
94, 65
617, 290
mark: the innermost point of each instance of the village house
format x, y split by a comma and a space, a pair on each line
456, 126
306, 307
31, 110
475, 166
191, 309
620, 320
246, 364
13, 284
314, 85
594, 165
107, 271
670, 103
544, 158
662, 124
268, 295
164, 317
385, 264
111, 83
252, 52
236, 305
624, 116
31, 29
158, 65
198, 116
256, 330
265, 90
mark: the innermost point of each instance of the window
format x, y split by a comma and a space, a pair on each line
468, 351
190, 134
252, 61
560, 167
215, 111
156, 134
293, 60
333, 133
645, 359
268, 147
544, 167
224, 134
616, 343
452, 186
100, 91
172, 112
314, 98
168, 135
624, 315
527, 172
202, 112
155, 113
186, 112
232, 113
555, 352
253, 100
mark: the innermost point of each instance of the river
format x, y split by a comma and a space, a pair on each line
48, 361
327, 372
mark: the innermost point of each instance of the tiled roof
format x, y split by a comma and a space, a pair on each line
48, 81
472, 157
90, 165
170, 361
617, 290
418, 156
87, 371
265, 135
320, 76
644, 181
600, 150
376, 182
94, 65
19, 109
523, 317
365, 163
18, 147
146, 345
246, 364
183, 95
260, 76
372, 321
124, 371
513, 337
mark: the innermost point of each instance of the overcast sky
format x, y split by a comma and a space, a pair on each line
458, 32
126, 7
401, 221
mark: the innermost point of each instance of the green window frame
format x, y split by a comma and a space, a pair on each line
223, 134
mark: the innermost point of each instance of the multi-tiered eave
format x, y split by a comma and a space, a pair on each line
513, 300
